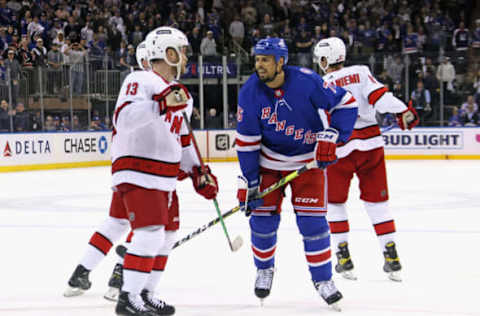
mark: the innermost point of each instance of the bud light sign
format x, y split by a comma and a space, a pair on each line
424, 140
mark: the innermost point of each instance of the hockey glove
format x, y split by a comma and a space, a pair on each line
247, 196
173, 98
326, 147
204, 183
408, 118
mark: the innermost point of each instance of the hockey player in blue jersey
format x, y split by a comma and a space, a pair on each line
288, 116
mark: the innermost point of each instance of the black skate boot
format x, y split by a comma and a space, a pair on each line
329, 292
115, 283
392, 264
263, 283
132, 305
78, 282
344, 264
156, 305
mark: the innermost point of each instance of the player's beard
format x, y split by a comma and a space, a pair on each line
268, 79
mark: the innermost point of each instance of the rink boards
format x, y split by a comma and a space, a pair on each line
30, 151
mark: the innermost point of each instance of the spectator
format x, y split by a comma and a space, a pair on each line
87, 33
208, 47
461, 39
266, 28
454, 119
4, 117
476, 39
76, 124
213, 121
237, 30
13, 66
137, 36
36, 122
195, 40
95, 124
446, 75
249, 13
65, 125
304, 43
470, 102
56, 123
3, 79
128, 62
396, 69
470, 117
49, 124
59, 39
421, 102
55, 61
21, 119
76, 55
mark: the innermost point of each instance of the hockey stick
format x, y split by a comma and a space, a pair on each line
289, 177
237, 242
386, 129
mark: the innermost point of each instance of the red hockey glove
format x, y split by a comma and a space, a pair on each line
182, 175
326, 147
204, 183
408, 118
247, 196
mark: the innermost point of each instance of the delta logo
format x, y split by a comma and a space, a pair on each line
27, 147
7, 152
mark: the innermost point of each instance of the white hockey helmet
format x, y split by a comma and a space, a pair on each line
333, 49
160, 39
141, 54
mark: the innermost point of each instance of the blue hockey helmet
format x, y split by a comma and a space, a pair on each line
272, 46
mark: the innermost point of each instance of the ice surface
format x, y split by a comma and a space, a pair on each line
47, 217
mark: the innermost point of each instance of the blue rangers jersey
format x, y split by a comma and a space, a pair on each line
277, 127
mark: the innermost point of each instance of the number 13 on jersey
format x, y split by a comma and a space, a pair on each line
132, 88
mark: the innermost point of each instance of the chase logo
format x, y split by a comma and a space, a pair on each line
102, 144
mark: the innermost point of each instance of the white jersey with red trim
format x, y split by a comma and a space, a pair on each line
148, 148
371, 96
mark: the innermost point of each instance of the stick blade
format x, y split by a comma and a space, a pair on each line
237, 243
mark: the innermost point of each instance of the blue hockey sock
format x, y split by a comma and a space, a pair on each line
316, 241
264, 239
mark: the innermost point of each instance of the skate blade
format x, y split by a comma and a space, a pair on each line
349, 275
73, 291
395, 276
335, 307
112, 294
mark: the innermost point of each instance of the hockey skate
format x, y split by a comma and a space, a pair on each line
329, 292
392, 264
132, 305
344, 264
78, 282
115, 283
156, 305
263, 283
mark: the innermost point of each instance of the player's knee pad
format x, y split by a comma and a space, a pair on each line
113, 228
147, 240
313, 226
264, 224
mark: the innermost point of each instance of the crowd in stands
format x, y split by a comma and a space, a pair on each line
432, 44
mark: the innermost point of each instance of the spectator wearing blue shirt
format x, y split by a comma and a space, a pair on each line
454, 119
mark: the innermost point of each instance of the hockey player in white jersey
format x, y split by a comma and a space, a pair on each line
150, 144
363, 155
